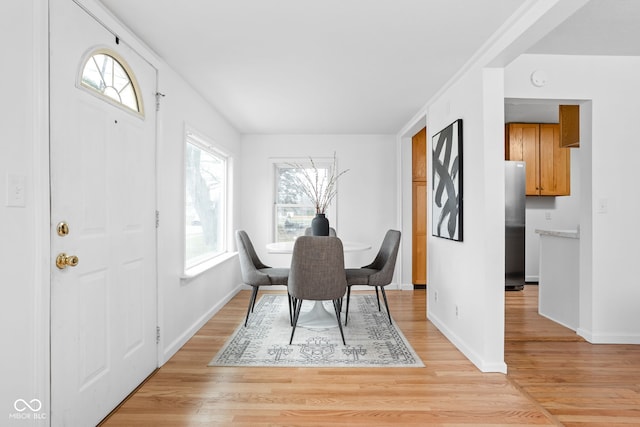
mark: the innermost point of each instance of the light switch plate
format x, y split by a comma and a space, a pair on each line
602, 207
15, 190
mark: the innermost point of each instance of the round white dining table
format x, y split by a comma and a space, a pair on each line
318, 316
287, 247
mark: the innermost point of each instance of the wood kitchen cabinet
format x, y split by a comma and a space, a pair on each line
569, 117
419, 234
548, 165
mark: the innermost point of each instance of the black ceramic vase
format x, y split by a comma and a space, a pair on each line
320, 225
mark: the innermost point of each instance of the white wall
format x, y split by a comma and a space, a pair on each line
187, 304
609, 295
24, 289
367, 199
469, 275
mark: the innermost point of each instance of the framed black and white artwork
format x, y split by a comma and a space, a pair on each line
446, 181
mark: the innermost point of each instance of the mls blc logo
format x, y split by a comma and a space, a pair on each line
27, 410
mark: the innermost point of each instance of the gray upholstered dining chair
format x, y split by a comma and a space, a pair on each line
317, 273
255, 273
309, 232
377, 274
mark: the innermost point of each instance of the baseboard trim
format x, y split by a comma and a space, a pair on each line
177, 344
479, 362
599, 338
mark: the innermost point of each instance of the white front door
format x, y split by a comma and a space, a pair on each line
104, 309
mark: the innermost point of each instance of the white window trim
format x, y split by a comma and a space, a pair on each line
203, 267
191, 135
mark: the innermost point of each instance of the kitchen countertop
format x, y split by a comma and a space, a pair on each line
571, 234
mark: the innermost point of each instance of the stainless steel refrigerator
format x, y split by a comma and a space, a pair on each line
514, 216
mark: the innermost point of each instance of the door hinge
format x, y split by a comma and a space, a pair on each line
159, 95
157, 219
157, 334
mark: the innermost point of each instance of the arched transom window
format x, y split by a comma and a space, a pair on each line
109, 77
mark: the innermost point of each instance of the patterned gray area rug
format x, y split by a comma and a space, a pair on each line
371, 341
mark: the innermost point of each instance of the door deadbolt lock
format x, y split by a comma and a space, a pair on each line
63, 261
62, 228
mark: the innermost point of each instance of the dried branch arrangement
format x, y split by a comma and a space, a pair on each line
319, 187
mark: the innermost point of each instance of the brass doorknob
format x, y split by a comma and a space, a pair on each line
63, 261
62, 228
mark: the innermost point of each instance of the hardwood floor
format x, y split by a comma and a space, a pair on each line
580, 384
572, 382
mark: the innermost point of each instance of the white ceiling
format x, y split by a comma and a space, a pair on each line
339, 66
601, 27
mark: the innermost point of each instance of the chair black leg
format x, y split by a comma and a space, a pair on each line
298, 304
378, 298
338, 308
292, 307
252, 303
290, 303
346, 313
386, 304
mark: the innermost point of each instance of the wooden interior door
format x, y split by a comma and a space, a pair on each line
419, 223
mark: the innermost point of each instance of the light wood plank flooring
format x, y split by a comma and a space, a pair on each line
554, 378
581, 384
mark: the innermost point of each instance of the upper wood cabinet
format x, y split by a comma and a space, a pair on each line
548, 165
419, 155
569, 117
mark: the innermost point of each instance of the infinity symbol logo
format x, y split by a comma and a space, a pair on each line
22, 405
